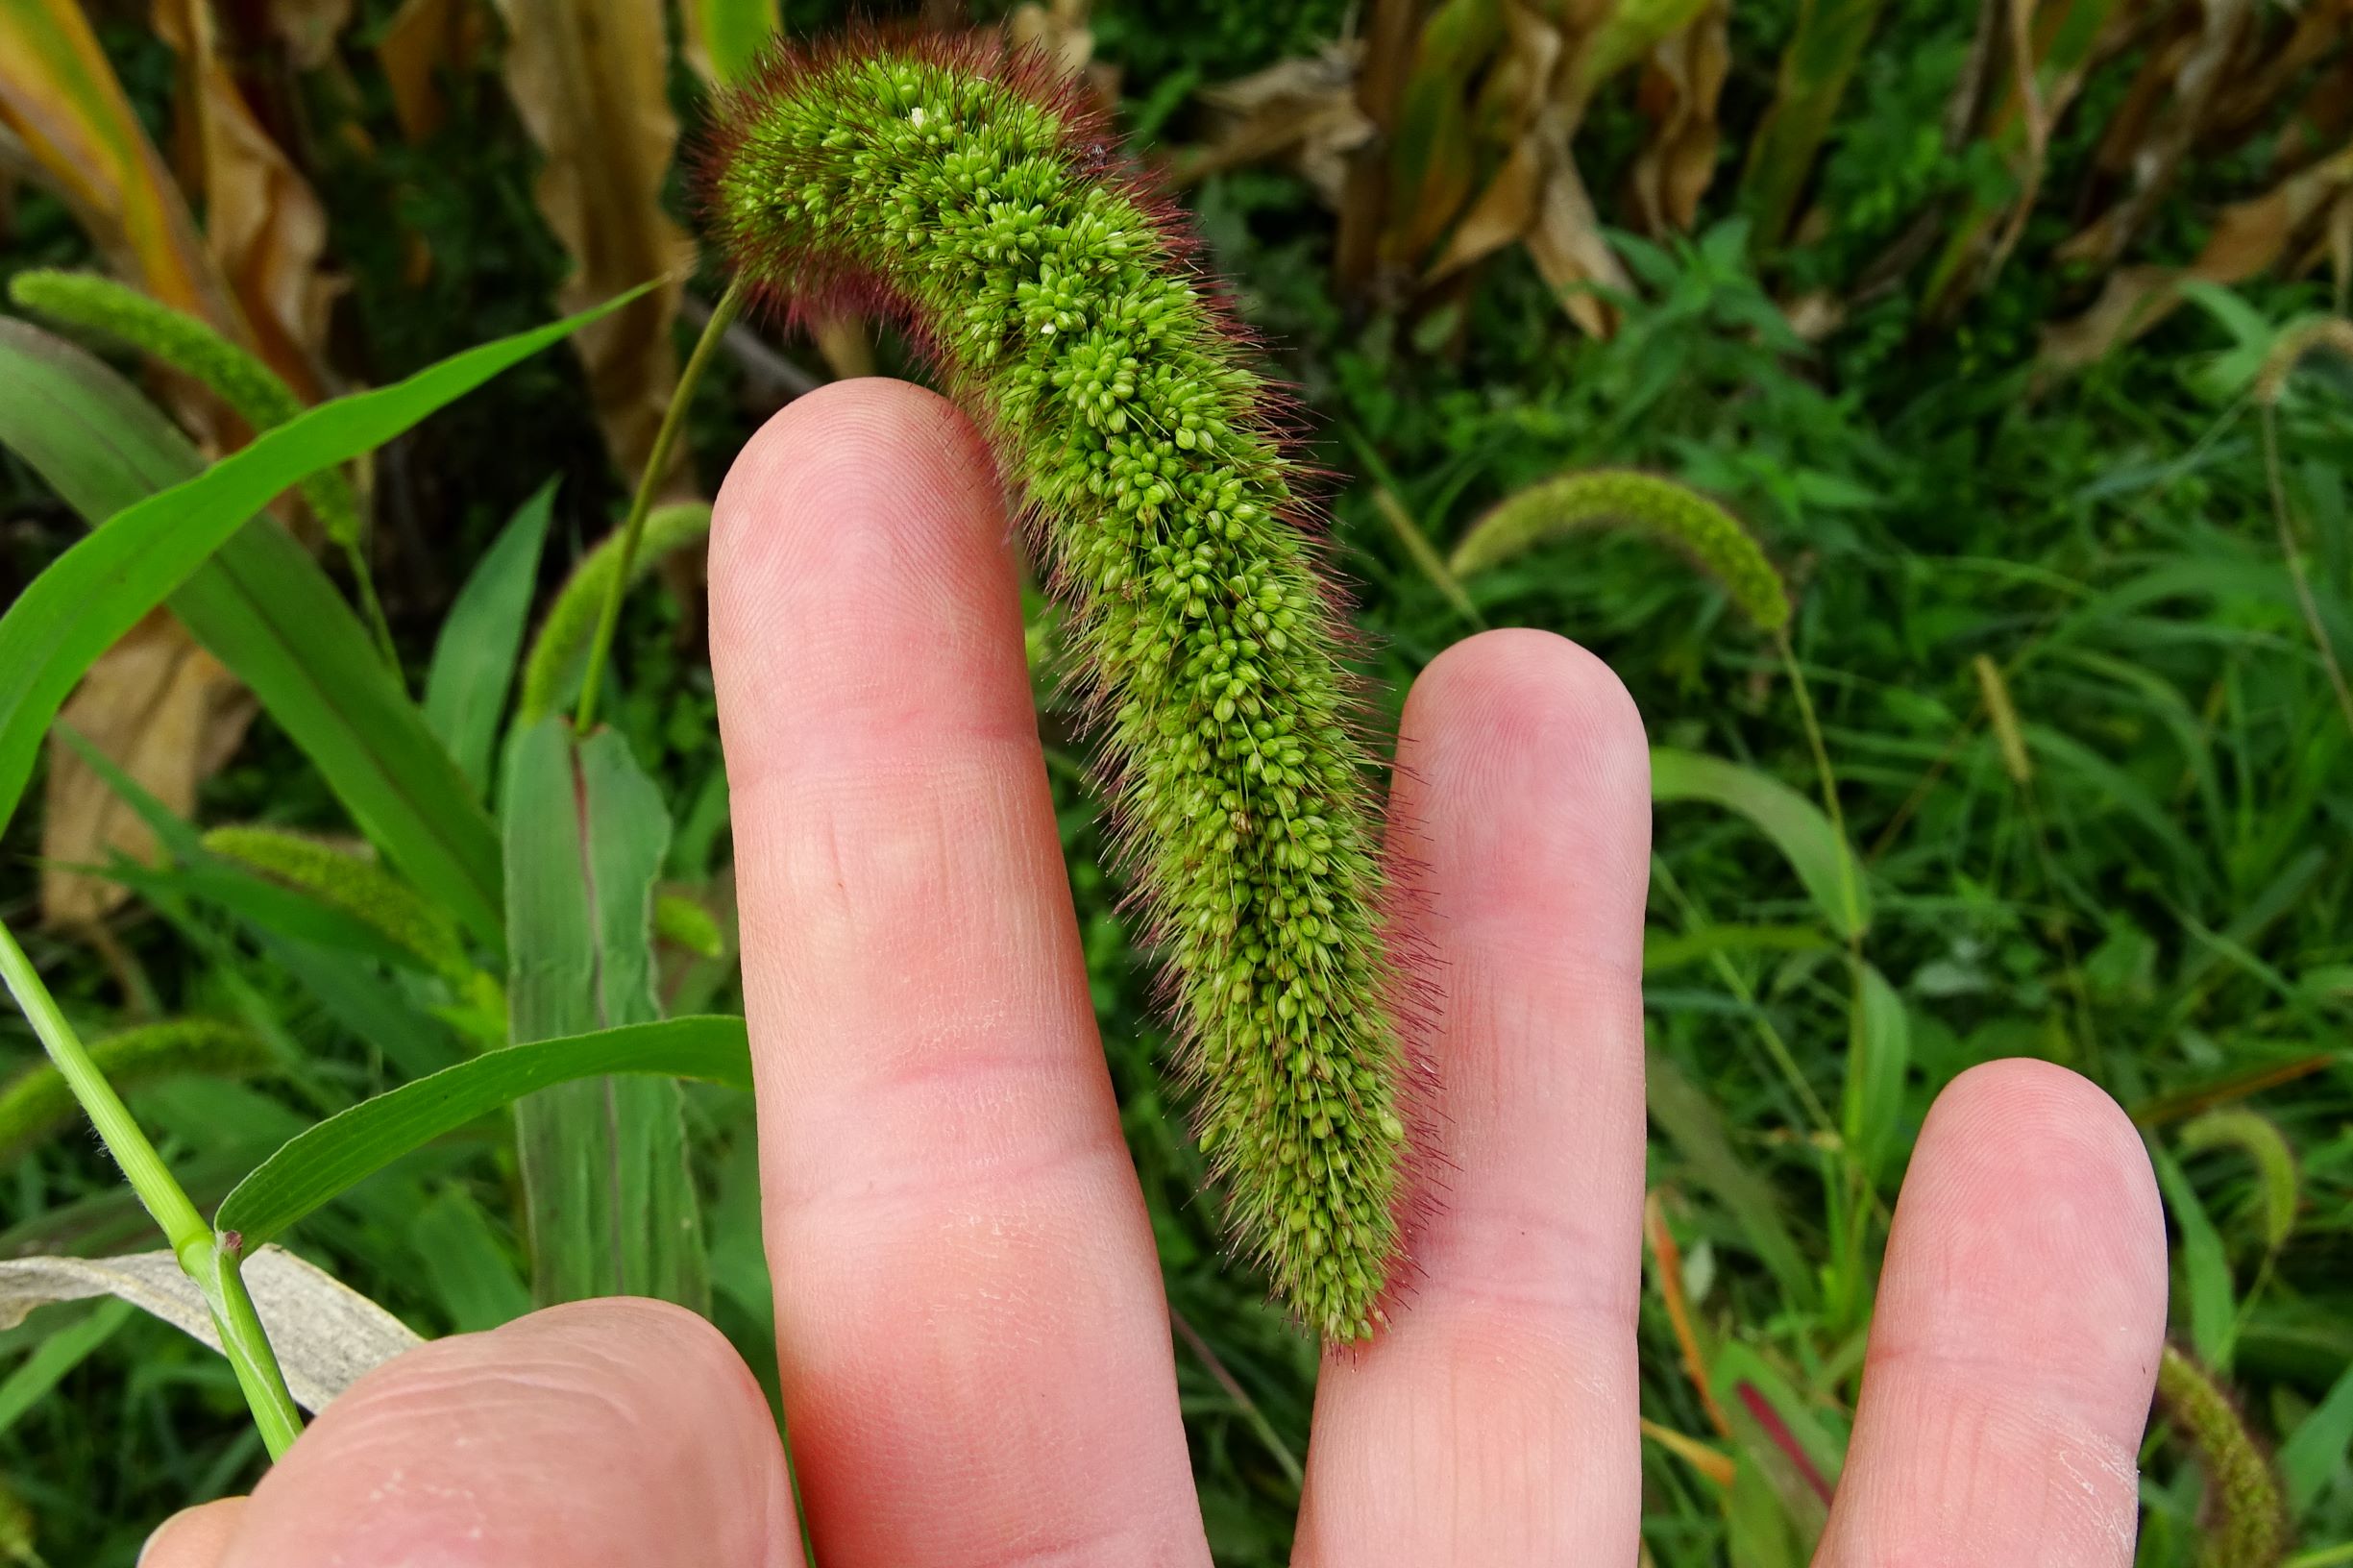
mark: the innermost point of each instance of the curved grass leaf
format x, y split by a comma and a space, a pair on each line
325, 1161
1878, 1056
2317, 1448
2212, 1294
474, 660
1796, 826
264, 606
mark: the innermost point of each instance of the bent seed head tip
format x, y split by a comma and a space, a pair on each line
966, 191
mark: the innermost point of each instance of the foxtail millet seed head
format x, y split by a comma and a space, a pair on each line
981, 202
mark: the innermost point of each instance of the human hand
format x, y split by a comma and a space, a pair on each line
976, 1349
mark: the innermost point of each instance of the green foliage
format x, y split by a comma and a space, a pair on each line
551, 672
328, 1160
1117, 398
250, 389
2159, 897
474, 657
611, 1199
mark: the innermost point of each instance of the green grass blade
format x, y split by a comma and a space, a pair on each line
260, 603
612, 1209
1695, 1127
467, 1263
2317, 1446
1878, 1056
474, 660
1815, 67
321, 949
56, 1355
1796, 825
322, 1162
2213, 1296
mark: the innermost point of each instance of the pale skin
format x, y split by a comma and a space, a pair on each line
975, 1351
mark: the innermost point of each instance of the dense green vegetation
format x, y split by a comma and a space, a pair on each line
2079, 710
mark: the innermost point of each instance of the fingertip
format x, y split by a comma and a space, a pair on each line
194, 1537
870, 446
2041, 1169
1523, 692
1524, 785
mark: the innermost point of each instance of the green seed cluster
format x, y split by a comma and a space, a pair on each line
38, 1102
1119, 402
1715, 541
362, 888
248, 386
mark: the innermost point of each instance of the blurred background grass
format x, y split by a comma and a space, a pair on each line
1990, 321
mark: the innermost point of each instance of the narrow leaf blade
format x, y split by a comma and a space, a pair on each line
474, 660
1796, 826
325, 1161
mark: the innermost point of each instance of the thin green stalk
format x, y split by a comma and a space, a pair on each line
2327, 1556
1425, 556
1275, 1446
1776, 1047
2295, 555
657, 461
207, 1258
372, 609
1828, 777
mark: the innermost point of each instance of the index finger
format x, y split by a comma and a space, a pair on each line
974, 1342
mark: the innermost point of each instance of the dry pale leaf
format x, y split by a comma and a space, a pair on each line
425, 38
1681, 86
327, 1335
588, 78
264, 224
1303, 111
2188, 99
309, 28
167, 713
61, 97
1058, 28
2248, 237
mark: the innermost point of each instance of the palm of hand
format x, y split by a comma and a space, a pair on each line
975, 1350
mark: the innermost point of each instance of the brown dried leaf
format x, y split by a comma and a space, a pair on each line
2202, 64
1303, 111
2249, 237
1538, 197
1679, 90
263, 221
2251, 97
59, 93
168, 714
588, 79
1058, 29
309, 29
1567, 247
425, 38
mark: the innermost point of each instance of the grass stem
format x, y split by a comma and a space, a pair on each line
658, 462
207, 1258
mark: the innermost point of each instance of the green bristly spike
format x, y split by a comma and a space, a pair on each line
971, 189
1713, 540
362, 888
247, 386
